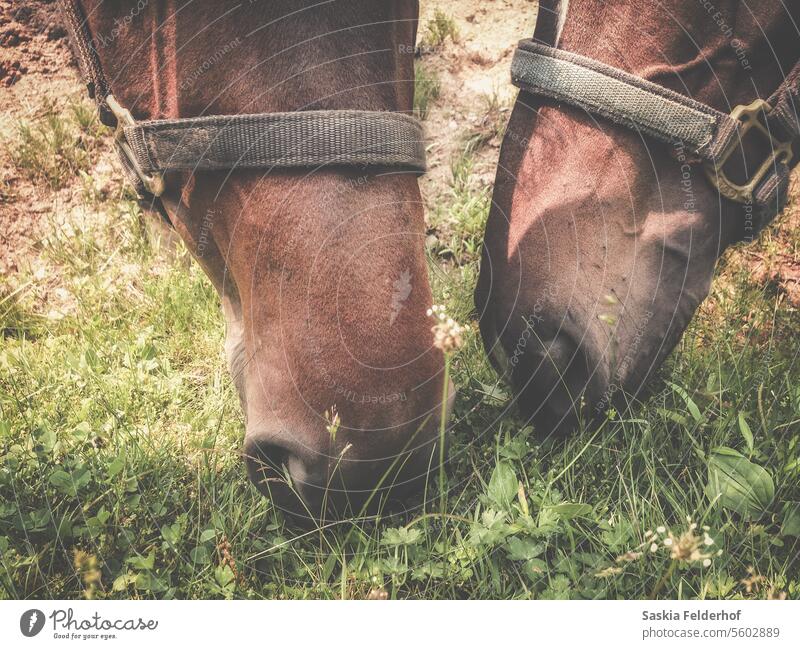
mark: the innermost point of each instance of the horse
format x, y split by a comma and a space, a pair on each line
605, 224
319, 264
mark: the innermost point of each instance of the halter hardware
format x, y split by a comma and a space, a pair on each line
153, 183
750, 116
652, 110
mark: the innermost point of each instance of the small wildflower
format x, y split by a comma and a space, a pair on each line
88, 567
378, 593
447, 333
226, 558
753, 581
686, 547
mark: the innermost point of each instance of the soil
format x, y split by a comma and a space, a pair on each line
36, 64
472, 71
29, 37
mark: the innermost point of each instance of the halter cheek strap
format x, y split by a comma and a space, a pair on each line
303, 139
671, 117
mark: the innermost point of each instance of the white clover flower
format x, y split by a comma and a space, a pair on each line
447, 333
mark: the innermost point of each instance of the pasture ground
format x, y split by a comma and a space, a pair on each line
120, 430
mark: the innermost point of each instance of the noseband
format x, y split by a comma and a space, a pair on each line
303, 139
671, 117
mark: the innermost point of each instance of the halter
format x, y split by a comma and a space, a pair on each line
303, 139
671, 117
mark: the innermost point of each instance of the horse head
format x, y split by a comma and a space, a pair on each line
321, 271
602, 240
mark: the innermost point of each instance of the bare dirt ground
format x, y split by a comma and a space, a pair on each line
37, 70
474, 72
35, 67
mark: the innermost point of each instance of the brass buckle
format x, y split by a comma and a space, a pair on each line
153, 183
748, 116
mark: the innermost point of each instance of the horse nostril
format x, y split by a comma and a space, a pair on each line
281, 474
555, 383
266, 462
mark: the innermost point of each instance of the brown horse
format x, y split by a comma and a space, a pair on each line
321, 273
601, 242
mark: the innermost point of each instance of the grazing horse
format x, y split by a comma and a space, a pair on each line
602, 240
321, 271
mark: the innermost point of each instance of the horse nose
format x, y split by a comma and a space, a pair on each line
279, 471
559, 382
311, 482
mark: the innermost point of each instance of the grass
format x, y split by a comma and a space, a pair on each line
52, 149
437, 30
120, 432
490, 126
426, 89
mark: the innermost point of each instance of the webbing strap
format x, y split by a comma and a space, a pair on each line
785, 102
668, 116
301, 139
621, 97
86, 54
308, 139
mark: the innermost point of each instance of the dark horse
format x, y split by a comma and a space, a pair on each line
601, 241
321, 273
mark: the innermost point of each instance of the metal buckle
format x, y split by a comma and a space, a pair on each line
153, 183
748, 116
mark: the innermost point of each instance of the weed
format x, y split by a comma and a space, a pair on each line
56, 146
426, 89
490, 125
438, 30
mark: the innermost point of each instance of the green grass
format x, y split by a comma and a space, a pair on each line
437, 30
120, 431
427, 87
54, 147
